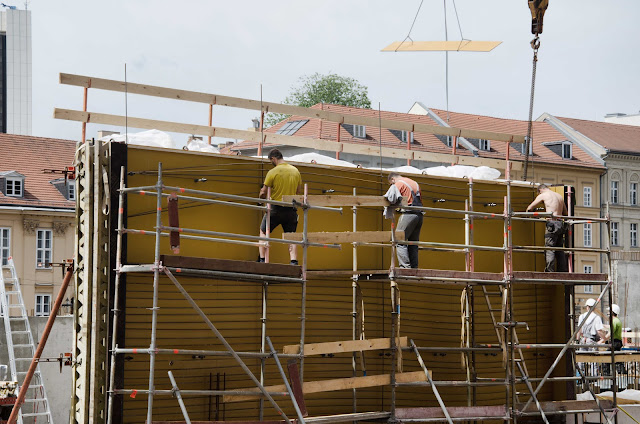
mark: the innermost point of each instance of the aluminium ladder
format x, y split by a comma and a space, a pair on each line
21, 348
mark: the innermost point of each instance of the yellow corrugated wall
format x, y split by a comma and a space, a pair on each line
430, 314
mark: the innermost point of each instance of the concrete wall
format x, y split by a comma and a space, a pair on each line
628, 292
57, 384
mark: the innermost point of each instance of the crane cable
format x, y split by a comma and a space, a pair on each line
535, 45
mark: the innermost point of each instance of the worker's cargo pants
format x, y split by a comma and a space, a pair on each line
411, 224
554, 237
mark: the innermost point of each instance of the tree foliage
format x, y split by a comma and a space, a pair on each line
318, 88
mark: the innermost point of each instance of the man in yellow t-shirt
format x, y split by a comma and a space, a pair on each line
284, 180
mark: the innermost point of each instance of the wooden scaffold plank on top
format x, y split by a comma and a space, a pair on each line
345, 346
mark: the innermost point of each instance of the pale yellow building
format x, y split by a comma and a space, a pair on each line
37, 215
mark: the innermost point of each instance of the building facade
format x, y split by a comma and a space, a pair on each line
15, 71
37, 214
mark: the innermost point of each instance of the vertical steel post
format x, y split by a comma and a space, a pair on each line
116, 299
303, 307
394, 317
156, 285
614, 384
354, 300
510, 316
265, 286
471, 251
267, 232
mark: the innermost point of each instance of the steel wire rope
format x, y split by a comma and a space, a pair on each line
411, 28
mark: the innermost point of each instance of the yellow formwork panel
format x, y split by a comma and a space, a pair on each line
430, 314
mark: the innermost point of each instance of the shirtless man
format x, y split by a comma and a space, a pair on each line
554, 234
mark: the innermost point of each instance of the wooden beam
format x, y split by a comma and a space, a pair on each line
604, 358
549, 407
344, 346
346, 237
208, 98
496, 411
229, 265
335, 385
287, 140
441, 46
340, 200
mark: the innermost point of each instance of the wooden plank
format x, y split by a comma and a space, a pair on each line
551, 276
415, 272
605, 357
346, 237
247, 267
344, 346
441, 46
208, 98
335, 385
497, 411
296, 386
340, 200
565, 405
287, 140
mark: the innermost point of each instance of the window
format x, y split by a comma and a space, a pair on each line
289, 128
588, 288
586, 196
403, 136
614, 234
449, 140
14, 187
633, 194
567, 150
71, 190
484, 144
614, 192
5, 245
43, 305
586, 235
633, 235
588, 269
360, 131
43, 249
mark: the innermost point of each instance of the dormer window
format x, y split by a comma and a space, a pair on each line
567, 150
403, 136
360, 131
71, 190
12, 183
14, 187
66, 187
484, 144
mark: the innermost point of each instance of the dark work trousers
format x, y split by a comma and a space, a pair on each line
554, 237
411, 224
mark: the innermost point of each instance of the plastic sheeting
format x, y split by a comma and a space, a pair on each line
406, 169
628, 394
152, 138
196, 145
319, 159
464, 171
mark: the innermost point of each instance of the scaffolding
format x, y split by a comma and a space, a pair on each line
294, 389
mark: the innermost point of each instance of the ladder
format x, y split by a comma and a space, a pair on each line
21, 348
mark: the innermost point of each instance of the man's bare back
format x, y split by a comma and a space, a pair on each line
553, 202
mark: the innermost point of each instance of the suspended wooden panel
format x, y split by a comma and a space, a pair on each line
442, 46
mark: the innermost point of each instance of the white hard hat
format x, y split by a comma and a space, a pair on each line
616, 309
590, 302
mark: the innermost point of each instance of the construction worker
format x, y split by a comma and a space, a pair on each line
555, 229
593, 330
284, 179
410, 221
615, 331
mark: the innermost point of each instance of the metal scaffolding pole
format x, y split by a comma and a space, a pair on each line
303, 306
156, 284
116, 299
176, 392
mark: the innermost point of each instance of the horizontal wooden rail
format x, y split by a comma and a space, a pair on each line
346, 237
277, 139
215, 99
345, 346
335, 385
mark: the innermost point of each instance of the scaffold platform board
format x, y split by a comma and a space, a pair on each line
232, 266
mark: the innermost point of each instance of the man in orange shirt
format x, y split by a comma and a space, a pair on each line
410, 221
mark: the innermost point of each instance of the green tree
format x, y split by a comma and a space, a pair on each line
318, 88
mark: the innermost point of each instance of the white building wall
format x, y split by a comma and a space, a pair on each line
17, 26
623, 119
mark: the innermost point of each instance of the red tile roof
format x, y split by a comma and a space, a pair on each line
29, 155
542, 133
613, 137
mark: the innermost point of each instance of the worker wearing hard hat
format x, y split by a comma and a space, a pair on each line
616, 329
593, 329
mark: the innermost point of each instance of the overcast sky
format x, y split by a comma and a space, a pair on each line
588, 62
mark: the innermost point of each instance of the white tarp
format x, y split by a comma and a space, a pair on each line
197, 145
464, 171
152, 138
319, 159
628, 394
405, 169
